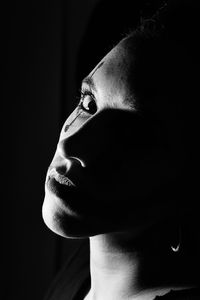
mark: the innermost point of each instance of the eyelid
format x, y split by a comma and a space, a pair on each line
87, 92
89, 82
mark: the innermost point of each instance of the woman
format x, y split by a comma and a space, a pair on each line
120, 167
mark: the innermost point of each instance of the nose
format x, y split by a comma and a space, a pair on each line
82, 146
66, 150
103, 138
94, 140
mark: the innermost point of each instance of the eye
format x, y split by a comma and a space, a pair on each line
87, 103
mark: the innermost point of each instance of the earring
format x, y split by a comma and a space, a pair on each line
175, 245
175, 248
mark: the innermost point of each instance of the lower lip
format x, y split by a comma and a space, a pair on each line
69, 195
74, 199
61, 190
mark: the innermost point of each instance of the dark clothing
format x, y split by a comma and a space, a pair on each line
73, 281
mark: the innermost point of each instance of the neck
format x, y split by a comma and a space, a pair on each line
121, 271
113, 272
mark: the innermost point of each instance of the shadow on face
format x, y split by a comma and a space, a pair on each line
113, 159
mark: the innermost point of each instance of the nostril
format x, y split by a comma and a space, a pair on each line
63, 166
61, 170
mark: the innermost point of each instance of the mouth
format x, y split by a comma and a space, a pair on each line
67, 193
59, 184
61, 178
71, 196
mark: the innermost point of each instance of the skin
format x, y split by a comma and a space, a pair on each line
117, 164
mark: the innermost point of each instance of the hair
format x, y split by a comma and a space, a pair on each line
165, 47
164, 61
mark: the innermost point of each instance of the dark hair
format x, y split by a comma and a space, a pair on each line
166, 52
164, 56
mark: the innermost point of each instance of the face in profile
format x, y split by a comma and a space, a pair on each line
109, 160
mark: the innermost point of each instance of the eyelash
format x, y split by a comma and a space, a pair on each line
86, 93
82, 94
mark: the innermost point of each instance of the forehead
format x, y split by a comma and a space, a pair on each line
116, 62
112, 73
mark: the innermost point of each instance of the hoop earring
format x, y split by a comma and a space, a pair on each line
176, 244
175, 248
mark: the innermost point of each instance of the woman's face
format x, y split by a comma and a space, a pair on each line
108, 160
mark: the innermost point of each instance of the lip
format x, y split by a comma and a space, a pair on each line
62, 179
67, 195
59, 184
66, 191
74, 198
60, 190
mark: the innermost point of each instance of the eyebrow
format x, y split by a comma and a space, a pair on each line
97, 67
90, 82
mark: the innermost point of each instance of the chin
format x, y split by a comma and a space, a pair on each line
58, 219
64, 222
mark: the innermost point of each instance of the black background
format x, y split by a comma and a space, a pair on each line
45, 54
44, 44
39, 40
